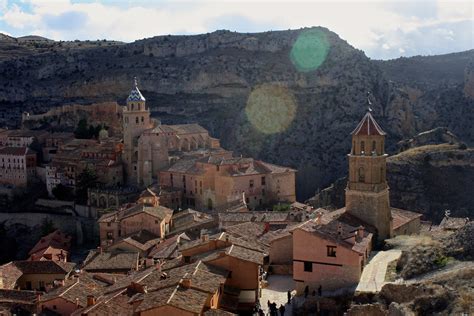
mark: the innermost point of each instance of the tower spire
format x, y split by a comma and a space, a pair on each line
135, 82
369, 103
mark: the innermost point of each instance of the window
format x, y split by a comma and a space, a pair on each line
143, 120
108, 224
263, 180
362, 147
136, 120
374, 146
308, 266
251, 183
263, 191
156, 221
331, 251
361, 175
110, 235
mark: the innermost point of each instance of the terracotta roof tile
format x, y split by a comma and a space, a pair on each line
368, 126
110, 261
401, 217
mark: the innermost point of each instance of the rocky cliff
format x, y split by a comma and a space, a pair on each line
261, 93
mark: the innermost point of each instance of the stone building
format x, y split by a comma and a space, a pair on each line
367, 192
54, 246
367, 195
103, 156
150, 146
17, 166
131, 219
215, 182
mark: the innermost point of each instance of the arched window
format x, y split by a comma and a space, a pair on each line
361, 175
133, 106
362, 147
353, 148
374, 146
136, 120
143, 119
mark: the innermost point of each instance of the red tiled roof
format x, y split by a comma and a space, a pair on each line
368, 127
402, 217
16, 151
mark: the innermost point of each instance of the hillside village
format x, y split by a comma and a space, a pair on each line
162, 220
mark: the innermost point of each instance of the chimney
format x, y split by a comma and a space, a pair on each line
267, 228
319, 216
359, 233
186, 282
90, 300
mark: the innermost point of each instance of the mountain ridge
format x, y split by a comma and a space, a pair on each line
208, 79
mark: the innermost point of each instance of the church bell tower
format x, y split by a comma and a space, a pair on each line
136, 119
367, 194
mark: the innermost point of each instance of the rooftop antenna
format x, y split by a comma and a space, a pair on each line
369, 102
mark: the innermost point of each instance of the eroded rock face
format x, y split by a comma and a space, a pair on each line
367, 309
208, 79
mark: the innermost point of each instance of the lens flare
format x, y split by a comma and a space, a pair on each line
309, 50
271, 108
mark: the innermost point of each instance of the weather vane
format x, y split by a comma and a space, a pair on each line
369, 102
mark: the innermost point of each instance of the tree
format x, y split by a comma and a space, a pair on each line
82, 131
47, 227
63, 193
85, 180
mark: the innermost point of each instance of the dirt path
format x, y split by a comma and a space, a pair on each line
373, 276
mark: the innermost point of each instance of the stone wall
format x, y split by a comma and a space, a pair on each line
82, 229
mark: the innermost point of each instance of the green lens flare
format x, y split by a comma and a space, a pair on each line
271, 108
309, 50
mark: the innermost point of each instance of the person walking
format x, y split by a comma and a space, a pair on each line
320, 290
282, 310
288, 294
306, 291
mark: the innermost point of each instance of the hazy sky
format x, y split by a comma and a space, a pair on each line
383, 29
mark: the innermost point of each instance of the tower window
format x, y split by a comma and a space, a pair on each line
361, 175
362, 147
133, 106
374, 147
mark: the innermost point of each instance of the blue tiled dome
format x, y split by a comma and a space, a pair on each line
135, 94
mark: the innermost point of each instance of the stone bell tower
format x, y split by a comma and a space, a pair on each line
367, 196
136, 119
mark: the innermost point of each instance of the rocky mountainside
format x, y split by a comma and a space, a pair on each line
299, 116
